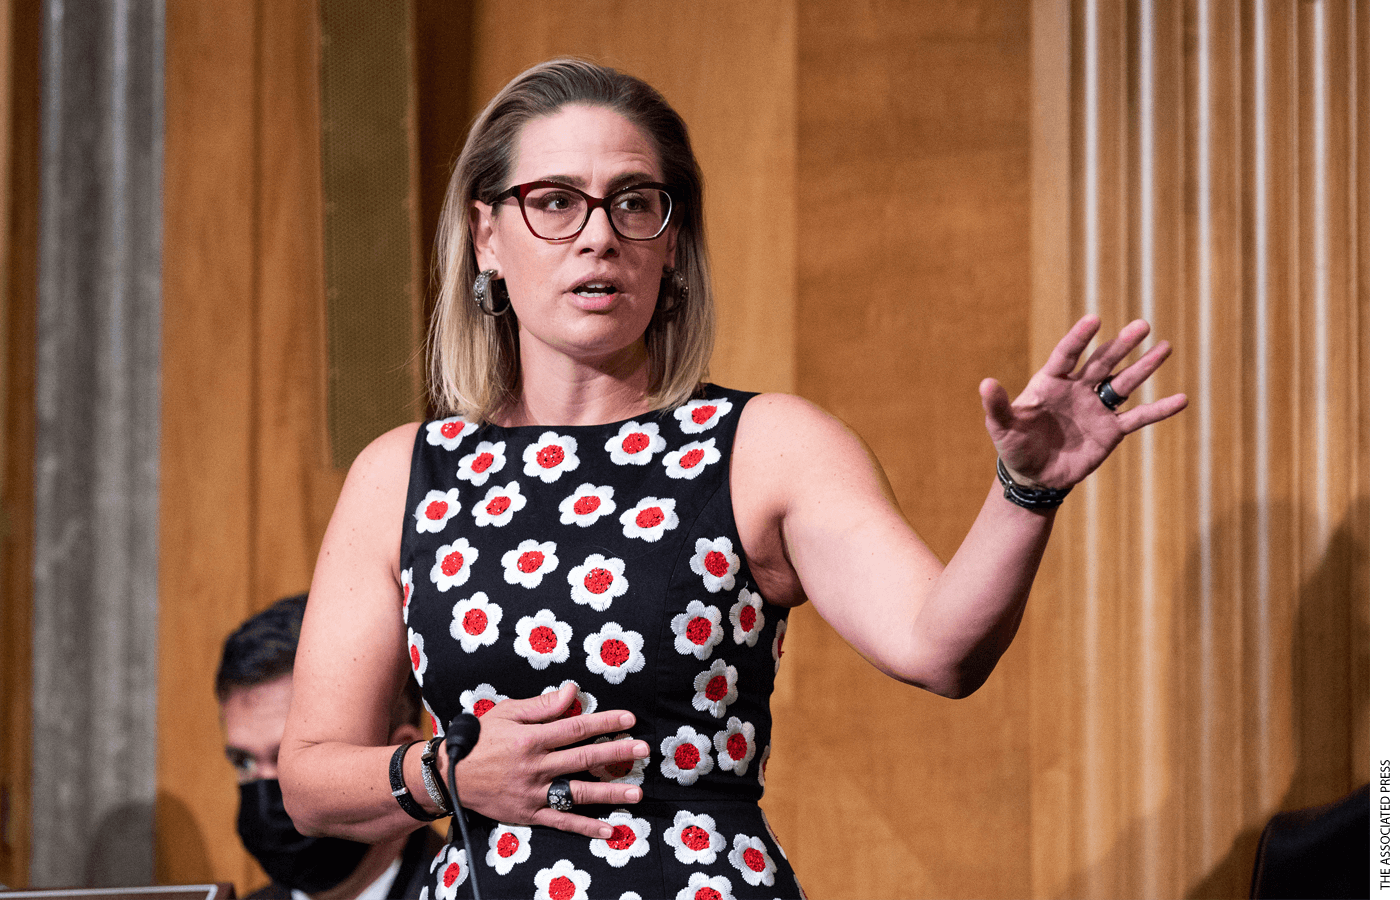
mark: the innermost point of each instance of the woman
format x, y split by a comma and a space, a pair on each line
596, 555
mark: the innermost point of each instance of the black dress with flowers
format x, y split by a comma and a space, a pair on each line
606, 556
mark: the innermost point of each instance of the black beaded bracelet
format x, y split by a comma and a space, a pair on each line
400, 788
1029, 498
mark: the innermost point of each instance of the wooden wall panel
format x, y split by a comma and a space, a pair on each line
1208, 630
19, 224
727, 66
913, 284
247, 483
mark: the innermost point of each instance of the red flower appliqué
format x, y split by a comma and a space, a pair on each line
697, 630
507, 847
627, 771
598, 581
650, 519
475, 622
691, 459
778, 638
448, 433
706, 887
628, 842
562, 881
685, 756
453, 565
450, 872
435, 510
715, 562
483, 462
702, 415
749, 855
499, 505
586, 505
746, 615
694, 838
416, 657
635, 443
614, 652
716, 688
528, 563
406, 583
481, 699
550, 457
542, 639
584, 702
734, 746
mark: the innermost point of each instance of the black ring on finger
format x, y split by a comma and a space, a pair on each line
1111, 398
560, 795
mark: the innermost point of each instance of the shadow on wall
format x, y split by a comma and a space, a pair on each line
180, 836
1329, 616
119, 852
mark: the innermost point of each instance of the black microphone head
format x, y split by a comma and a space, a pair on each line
461, 737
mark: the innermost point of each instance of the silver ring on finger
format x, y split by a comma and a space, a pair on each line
1111, 398
560, 795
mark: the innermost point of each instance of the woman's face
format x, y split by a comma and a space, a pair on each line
590, 297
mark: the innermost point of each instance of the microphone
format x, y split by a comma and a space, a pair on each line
462, 735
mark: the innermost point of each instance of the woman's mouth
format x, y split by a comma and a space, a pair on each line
595, 289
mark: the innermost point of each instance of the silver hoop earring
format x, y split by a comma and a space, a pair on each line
483, 291
674, 292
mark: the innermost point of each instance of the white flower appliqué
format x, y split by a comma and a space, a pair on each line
481, 699
584, 702
650, 519
454, 564
706, 887
435, 510
697, 630
750, 856
475, 622
691, 459
746, 616
635, 444
702, 415
562, 881
628, 841
694, 838
509, 846
716, 688
778, 638
598, 581
542, 639
483, 462
614, 653
416, 657
628, 771
452, 873
734, 746
499, 505
685, 756
528, 563
406, 582
586, 504
715, 562
448, 433
550, 457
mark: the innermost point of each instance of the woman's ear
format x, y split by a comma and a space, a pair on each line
483, 227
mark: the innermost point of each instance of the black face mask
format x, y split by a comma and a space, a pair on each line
288, 857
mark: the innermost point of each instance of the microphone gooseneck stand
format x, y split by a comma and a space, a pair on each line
461, 737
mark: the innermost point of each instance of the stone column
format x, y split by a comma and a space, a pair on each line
98, 417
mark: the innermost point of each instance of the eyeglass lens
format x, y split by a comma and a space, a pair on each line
555, 212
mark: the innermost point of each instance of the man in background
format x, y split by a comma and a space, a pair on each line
254, 687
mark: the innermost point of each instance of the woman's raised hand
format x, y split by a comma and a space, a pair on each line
1059, 429
507, 774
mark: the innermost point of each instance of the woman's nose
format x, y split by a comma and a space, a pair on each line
597, 235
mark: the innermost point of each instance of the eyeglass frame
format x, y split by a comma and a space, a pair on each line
520, 190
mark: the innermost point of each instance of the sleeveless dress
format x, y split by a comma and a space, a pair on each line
606, 556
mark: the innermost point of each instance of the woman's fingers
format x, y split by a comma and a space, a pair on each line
1107, 356
1139, 416
1131, 378
1065, 357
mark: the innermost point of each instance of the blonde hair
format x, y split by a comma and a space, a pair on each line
474, 359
